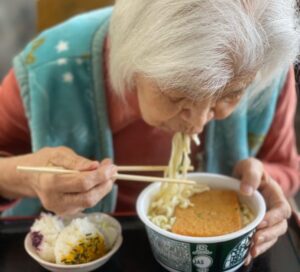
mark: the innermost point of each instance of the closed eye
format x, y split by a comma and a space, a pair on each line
176, 99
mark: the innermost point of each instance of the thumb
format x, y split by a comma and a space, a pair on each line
109, 168
250, 172
106, 162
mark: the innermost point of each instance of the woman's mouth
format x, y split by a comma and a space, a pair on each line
182, 128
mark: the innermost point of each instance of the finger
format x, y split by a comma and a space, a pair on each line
88, 199
250, 171
106, 162
271, 190
103, 189
280, 208
106, 171
85, 181
67, 158
248, 260
260, 249
77, 183
271, 233
277, 214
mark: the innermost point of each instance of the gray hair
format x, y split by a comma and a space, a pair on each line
200, 46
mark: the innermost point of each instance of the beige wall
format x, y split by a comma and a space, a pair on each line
51, 12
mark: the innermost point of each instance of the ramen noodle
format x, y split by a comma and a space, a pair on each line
170, 196
246, 213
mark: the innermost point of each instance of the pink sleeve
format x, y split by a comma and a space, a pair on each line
279, 151
14, 130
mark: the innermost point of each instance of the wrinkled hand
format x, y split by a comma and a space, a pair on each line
70, 193
252, 175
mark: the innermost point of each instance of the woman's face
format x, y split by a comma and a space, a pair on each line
174, 112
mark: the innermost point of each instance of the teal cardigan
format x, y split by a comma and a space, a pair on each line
62, 86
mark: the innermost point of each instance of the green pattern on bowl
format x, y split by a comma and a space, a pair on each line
191, 257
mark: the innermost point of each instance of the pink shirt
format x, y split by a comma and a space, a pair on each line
136, 143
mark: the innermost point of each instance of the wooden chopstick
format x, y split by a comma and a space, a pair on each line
131, 168
142, 168
49, 170
153, 179
60, 170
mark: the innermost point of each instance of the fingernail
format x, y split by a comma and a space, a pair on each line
260, 239
263, 224
246, 189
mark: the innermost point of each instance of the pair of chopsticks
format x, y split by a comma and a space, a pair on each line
60, 170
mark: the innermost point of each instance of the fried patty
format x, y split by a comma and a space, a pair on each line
215, 212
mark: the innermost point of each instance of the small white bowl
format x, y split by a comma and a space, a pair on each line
76, 267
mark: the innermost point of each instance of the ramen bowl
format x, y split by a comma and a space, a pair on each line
202, 254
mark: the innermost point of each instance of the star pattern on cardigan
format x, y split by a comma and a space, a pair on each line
62, 46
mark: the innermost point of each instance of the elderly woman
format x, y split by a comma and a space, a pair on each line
119, 82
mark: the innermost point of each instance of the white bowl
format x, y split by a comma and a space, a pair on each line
76, 267
211, 254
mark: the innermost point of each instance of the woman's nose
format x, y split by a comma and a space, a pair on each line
197, 117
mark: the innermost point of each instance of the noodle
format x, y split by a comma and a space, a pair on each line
170, 195
247, 214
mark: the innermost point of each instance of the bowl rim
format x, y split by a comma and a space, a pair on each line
107, 256
191, 239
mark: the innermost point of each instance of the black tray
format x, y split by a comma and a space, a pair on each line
135, 253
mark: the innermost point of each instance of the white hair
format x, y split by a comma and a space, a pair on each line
200, 46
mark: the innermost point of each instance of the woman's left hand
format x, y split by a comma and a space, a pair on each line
253, 176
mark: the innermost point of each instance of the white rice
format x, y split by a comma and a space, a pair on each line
73, 241
109, 230
72, 236
48, 228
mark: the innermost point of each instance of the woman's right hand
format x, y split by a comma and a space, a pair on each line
67, 193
